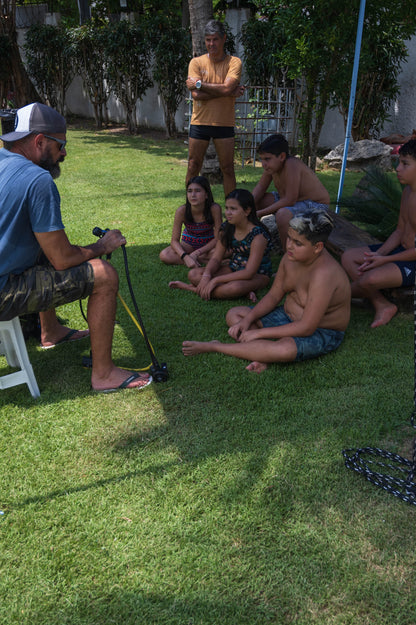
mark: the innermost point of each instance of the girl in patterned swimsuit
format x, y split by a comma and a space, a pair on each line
202, 218
249, 267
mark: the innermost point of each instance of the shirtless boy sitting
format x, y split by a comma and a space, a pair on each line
298, 187
316, 311
392, 264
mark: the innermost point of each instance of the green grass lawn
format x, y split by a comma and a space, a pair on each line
219, 497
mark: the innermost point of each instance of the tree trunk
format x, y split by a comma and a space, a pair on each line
17, 88
84, 11
200, 12
185, 14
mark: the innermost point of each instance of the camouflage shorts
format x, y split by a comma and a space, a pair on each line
42, 287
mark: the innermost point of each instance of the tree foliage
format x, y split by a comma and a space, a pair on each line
383, 52
16, 88
50, 62
319, 52
376, 203
200, 12
128, 56
172, 51
89, 45
262, 42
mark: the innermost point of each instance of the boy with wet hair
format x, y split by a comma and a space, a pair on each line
316, 310
297, 186
393, 263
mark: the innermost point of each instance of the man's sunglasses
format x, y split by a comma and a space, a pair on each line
62, 143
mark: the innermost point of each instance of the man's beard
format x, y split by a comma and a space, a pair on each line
53, 167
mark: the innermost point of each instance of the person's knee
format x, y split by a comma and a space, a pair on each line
348, 258
227, 168
287, 350
194, 275
164, 255
105, 276
364, 280
345, 259
194, 165
369, 280
283, 217
235, 314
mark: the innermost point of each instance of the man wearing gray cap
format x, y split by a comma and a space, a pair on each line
39, 268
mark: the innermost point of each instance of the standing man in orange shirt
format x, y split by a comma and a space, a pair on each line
214, 82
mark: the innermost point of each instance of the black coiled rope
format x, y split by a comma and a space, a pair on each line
373, 463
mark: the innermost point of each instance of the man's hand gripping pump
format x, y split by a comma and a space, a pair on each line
158, 371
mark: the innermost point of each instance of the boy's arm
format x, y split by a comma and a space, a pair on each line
381, 256
261, 188
269, 302
319, 296
292, 191
396, 236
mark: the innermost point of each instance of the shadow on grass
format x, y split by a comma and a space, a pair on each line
158, 145
211, 404
143, 608
156, 471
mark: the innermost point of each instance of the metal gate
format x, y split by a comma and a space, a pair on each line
260, 112
263, 111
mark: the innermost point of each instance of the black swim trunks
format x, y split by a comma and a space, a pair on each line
407, 267
205, 133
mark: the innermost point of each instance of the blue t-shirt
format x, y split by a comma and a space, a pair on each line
29, 202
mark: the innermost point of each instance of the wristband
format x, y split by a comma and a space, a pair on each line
183, 255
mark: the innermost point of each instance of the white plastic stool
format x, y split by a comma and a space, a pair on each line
12, 345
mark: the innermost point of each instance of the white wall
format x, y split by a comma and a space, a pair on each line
402, 112
150, 110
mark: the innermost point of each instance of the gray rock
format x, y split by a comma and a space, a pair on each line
362, 154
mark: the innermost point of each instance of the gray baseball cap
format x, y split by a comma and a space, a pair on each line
35, 118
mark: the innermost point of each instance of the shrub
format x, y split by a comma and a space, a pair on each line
376, 203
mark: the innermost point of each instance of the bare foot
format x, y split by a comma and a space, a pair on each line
121, 379
252, 297
257, 367
191, 348
61, 335
384, 315
177, 284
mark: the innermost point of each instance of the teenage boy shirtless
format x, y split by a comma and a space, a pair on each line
298, 187
392, 264
316, 311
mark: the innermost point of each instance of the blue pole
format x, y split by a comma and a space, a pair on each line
352, 100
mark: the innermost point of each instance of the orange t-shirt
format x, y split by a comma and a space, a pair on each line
216, 111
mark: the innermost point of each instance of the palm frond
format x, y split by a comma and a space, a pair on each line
376, 202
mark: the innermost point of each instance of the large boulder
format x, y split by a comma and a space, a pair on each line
361, 154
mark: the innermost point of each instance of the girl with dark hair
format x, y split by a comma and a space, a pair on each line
202, 218
248, 241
